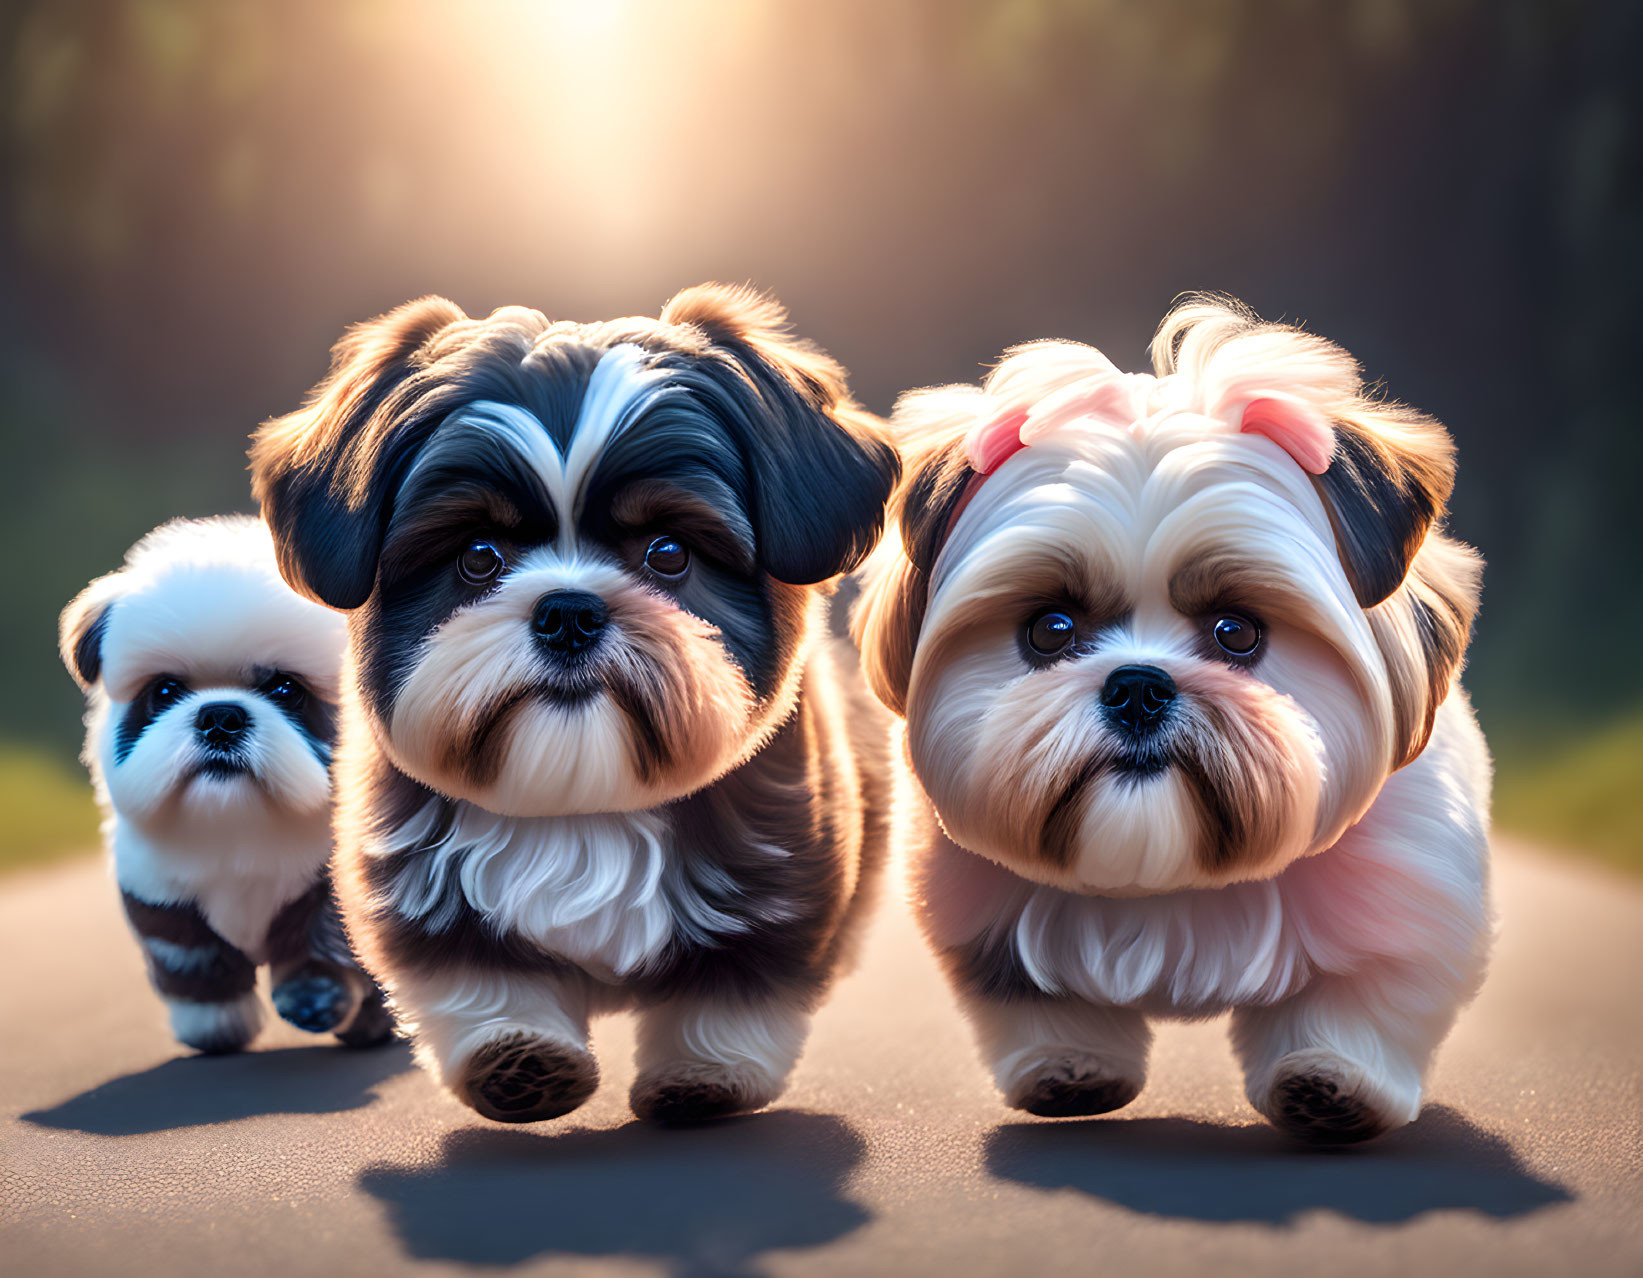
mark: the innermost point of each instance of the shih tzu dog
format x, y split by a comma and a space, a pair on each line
1178, 660
211, 698
594, 751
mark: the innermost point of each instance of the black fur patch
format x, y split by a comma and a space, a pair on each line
1226, 837
211, 970
327, 504
136, 720
88, 648
314, 717
1380, 513
989, 967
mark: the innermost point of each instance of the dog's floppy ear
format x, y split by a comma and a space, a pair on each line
321, 473
822, 468
1387, 483
1422, 631
1386, 489
82, 625
887, 619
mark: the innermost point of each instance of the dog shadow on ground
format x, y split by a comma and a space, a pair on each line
707, 1200
189, 1091
1187, 1169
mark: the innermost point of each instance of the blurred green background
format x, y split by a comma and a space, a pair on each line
199, 194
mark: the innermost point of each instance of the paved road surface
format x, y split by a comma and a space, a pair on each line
890, 1155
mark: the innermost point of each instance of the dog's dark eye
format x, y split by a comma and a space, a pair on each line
1238, 636
1050, 633
285, 692
667, 557
480, 563
165, 692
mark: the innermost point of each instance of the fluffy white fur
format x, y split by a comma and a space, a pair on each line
602, 890
1355, 924
451, 1013
203, 601
749, 1046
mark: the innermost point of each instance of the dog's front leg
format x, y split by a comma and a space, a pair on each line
511, 1045
1060, 1056
315, 983
1345, 1059
702, 1057
209, 985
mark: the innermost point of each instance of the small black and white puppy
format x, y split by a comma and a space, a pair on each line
211, 702
595, 752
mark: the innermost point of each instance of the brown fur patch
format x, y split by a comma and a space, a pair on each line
885, 624
689, 1093
478, 754
1226, 823
651, 750
521, 1079
1058, 840
887, 619
1239, 769
1316, 1109
1056, 1096
1422, 632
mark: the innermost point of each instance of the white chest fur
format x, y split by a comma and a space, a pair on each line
238, 878
608, 892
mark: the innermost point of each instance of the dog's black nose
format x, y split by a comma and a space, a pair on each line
569, 621
222, 723
1136, 698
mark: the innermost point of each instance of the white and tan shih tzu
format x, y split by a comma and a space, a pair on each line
211, 702
1178, 657
595, 753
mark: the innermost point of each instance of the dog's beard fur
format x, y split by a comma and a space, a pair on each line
655, 711
1232, 785
169, 781
1254, 768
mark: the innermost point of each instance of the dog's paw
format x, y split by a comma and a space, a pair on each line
1072, 1086
372, 1025
520, 1078
216, 1028
685, 1092
1325, 1100
314, 1001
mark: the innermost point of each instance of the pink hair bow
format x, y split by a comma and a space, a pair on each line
1122, 399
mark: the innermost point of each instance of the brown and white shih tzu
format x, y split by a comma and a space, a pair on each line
211, 702
595, 752
1178, 659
